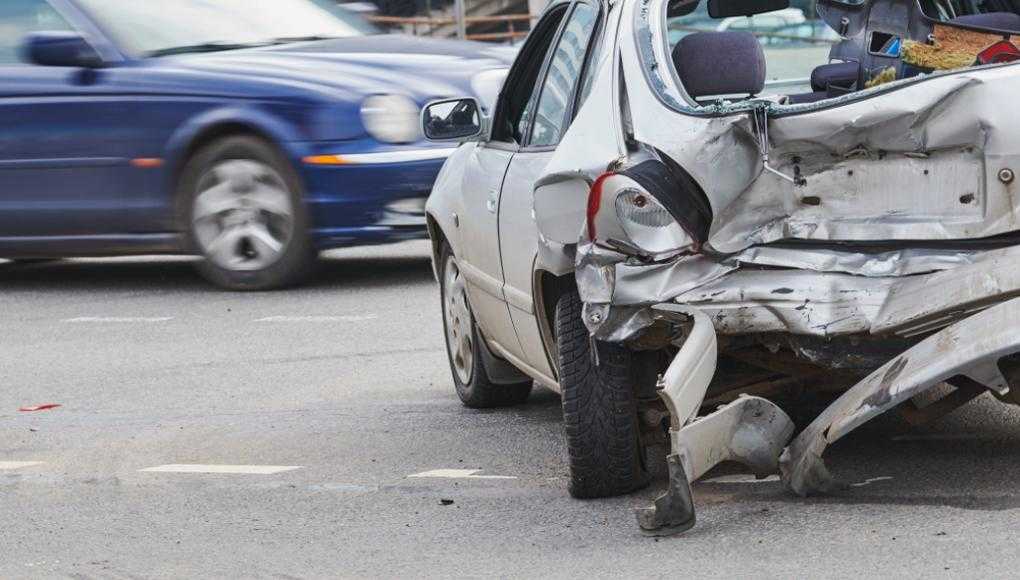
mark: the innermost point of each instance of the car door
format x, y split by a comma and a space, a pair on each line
63, 170
479, 257
560, 94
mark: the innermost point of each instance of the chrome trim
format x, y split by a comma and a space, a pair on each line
396, 156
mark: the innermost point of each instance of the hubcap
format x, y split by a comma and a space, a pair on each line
242, 217
457, 315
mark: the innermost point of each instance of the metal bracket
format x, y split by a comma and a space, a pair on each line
760, 124
673, 511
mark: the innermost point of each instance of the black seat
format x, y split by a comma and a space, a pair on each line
829, 80
712, 64
994, 20
841, 75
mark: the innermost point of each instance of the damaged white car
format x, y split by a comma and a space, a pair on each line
649, 224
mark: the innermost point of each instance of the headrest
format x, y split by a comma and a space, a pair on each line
993, 20
720, 63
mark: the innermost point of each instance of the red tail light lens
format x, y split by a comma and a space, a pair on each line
621, 211
595, 202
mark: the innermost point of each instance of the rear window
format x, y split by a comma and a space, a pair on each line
795, 41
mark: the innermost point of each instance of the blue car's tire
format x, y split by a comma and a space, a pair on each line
244, 213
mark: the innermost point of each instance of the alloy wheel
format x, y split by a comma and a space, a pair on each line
243, 216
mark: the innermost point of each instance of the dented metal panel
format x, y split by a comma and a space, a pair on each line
971, 347
923, 160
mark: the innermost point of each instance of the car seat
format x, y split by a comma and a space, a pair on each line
715, 64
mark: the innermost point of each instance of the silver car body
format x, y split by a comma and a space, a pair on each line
883, 214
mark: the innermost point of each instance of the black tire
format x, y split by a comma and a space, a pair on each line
298, 256
478, 391
600, 409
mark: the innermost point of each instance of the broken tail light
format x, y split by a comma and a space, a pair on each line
641, 209
1002, 51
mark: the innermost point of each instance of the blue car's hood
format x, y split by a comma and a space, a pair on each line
350, 68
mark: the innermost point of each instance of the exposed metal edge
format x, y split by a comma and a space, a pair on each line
971, 347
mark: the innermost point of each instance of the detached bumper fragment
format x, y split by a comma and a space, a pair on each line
970, 348
751, 430
754, 431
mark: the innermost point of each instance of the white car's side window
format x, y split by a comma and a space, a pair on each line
562, 77
516, 105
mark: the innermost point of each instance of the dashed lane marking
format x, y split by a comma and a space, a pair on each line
937, 437
122, 319
459, 474
351, 318
742, 478
870, 481
221, 469
5, 465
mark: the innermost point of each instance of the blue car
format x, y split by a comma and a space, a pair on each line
255, 133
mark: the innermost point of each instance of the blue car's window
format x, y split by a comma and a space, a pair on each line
20, 17
177, 26
564, 70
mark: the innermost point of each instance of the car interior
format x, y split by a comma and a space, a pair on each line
881, 41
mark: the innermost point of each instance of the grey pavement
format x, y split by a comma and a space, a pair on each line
347, 380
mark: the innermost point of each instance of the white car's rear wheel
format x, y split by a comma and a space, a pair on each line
600, 408
463, 346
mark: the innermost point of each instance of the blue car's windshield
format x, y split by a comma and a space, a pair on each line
178, 26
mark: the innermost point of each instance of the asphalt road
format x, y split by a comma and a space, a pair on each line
344, 385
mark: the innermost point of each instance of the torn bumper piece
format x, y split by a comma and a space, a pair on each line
754, 431
751, 430
971, 347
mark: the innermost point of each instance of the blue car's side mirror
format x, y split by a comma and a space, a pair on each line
59, 49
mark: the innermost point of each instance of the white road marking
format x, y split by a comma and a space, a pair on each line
18, 464
318, 318
459, 474
742, 478
225, 469
870, 481
120, 319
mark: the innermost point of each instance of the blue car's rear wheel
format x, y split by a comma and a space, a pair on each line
245, 215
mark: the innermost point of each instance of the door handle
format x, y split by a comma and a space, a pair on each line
490, 203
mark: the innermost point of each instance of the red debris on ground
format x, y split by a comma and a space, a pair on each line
45, 407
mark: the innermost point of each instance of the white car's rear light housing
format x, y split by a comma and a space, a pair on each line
625, 214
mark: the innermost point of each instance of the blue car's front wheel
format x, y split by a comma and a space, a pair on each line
245, 215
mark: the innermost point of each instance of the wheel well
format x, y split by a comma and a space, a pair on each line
436, 237
212, 134
549, 289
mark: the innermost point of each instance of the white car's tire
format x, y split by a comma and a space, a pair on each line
463, 345
600, 409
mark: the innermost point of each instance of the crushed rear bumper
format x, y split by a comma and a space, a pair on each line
756, 432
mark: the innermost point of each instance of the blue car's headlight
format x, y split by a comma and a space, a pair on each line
392, 118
